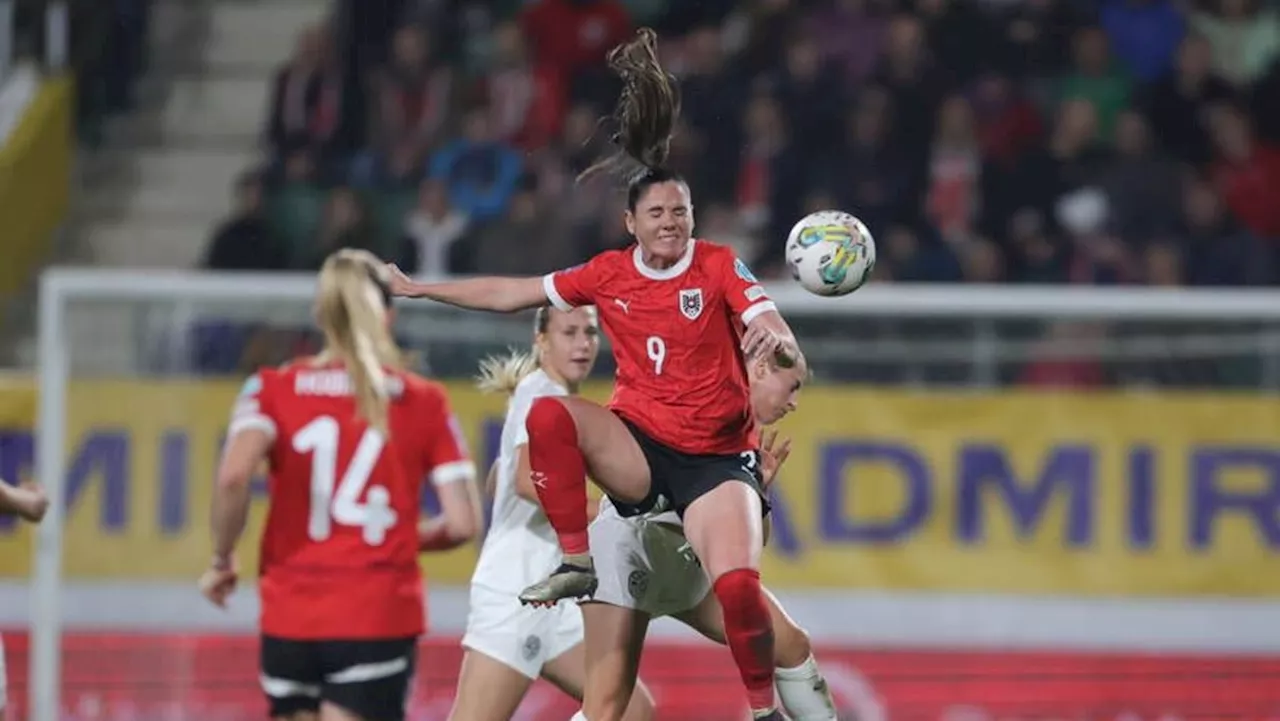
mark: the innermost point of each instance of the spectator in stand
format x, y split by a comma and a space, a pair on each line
1246, 172
525, 241
770, 175
431, 230
1177, 105
345, 224
912, 259
869, 171
1225, 253
1244, 35
1142, 187
306, 99
413, 101
526, 103
709, 86
1144, 34
571, 37
1094, 77
480, 172
811, 96
953, 192
915, 85
1035, 256
245, 241
1071, 158
850, 34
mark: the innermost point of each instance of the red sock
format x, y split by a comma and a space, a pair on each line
559, 472
749, 631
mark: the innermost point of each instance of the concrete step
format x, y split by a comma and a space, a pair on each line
150, 243
168, 181
259, 35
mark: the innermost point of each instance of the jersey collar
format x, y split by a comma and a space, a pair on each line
676, 270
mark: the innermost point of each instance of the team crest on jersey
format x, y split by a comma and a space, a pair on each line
743, 271
638, 584
691, 303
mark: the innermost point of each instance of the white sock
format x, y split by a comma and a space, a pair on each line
579, 717
804, 693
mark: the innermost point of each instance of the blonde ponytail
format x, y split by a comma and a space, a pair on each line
351, 310
501, 374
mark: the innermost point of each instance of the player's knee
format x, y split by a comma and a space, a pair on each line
739, 592
548, 418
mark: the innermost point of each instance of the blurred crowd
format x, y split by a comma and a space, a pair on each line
1039, 141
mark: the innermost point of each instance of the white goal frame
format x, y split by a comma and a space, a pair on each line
58, 287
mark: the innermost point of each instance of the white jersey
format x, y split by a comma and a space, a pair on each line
521, 548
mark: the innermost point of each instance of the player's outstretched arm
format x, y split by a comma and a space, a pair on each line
26, 500
492, 293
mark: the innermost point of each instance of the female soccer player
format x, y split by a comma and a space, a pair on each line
647, 571
682, 315
348, 437
508, 645
28, 502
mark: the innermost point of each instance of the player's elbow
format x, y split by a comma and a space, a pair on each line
234, 476
461, 516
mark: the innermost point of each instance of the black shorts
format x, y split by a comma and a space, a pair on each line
682, 478
369, 678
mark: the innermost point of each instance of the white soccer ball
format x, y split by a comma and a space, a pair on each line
830, 252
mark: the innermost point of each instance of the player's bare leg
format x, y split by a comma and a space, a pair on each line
614, 641
801, 687
488, 690
568, 672
567, 438
334, 712
726, 530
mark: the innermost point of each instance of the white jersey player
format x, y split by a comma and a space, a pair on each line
508, 645
28, 502
646, 569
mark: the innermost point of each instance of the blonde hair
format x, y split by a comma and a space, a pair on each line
502, 373
351, 310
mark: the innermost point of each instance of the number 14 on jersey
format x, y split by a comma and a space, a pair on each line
339, 501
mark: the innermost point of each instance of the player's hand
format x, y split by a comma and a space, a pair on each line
401, 285
217, 583
773, 453
760, 340
32, 501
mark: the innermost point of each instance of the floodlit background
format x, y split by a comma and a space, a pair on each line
1036, 476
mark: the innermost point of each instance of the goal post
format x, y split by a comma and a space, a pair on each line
892, 362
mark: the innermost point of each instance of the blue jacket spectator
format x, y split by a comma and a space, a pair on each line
481, 173
1144, 34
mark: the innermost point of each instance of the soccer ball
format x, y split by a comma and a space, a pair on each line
830, 252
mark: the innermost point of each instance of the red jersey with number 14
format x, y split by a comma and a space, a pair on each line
340, 547
676, 336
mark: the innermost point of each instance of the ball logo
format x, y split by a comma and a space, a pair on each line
833, 233
691, 303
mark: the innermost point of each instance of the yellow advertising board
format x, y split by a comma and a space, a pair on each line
1102, 494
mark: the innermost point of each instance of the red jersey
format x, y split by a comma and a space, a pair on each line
676, 336
340, 548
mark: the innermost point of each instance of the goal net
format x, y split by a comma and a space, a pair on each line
1001, 503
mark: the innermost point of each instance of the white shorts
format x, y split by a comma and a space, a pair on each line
521, 637
645, 565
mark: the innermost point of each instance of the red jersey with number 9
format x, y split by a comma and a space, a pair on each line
676, 336
339, 553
